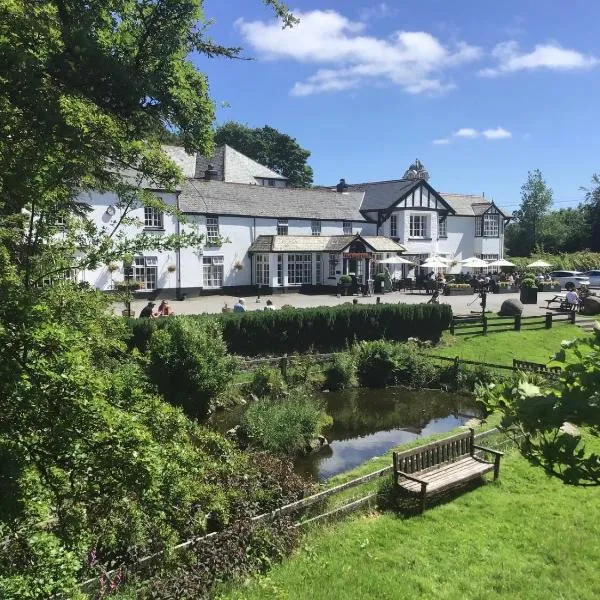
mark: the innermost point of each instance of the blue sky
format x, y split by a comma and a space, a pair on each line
480, 91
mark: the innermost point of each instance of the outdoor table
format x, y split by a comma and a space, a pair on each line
559, 299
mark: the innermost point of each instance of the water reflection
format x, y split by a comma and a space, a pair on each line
367, 423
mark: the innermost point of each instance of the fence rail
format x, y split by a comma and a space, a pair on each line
289, 509
481, 321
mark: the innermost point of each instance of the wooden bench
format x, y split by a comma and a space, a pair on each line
427, 470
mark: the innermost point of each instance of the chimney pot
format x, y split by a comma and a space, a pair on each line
211, 174
342, 186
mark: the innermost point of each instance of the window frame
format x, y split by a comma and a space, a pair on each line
424, 229
261, 270
153, 218
283, 226
442, 230
315, 227
214, 272
145, 270
394, 226
212, 226
347, 227
299, 269
490, 219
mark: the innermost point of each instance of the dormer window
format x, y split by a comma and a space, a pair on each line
394, 226
347, 227
282, 227
491, 227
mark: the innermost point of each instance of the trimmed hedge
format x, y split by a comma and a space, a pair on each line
323, 329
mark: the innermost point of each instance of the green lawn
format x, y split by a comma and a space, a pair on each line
524, 537
535, 345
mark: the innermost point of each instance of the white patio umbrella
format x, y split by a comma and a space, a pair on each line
502, 263
539, 264
443, 259
434, 264
474, 262
395, 260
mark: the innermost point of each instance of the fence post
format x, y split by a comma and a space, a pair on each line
548, 320
484, 319
452, 326
573, 316
517, 322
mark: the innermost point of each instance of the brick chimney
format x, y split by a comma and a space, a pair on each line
342, 186
211, 174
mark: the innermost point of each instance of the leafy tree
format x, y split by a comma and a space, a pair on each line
269, 147
592, 207
550, 420
536, 199
96, 460
565, 230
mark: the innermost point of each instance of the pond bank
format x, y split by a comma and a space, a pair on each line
369, 422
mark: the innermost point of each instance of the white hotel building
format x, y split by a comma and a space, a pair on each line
262, 235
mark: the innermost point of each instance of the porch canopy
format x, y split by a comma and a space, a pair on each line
350, 254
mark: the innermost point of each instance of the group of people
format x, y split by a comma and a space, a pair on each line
240, 306
164, 310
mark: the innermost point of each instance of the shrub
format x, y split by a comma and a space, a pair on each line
414, 369
341, 373
345, 279
267, 382
375, 363
286, 425
529, 282
459, 286
324, 328
302, 372
189, 364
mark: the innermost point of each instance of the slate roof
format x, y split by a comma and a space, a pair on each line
217, 197
469, 205
324, 243
382, 194
234, 167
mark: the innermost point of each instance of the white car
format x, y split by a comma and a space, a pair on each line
570, 279
593, 276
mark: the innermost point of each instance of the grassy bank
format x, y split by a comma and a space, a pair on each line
536, 345
525, 537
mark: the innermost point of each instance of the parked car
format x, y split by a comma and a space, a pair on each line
570, 279
593, 276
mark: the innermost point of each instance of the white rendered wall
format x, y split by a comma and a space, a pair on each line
101, 278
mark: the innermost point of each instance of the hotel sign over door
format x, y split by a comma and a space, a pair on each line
357, 255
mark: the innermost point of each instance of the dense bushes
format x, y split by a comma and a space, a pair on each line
381, 363
325, 328
572, 261
341, 373
189, 364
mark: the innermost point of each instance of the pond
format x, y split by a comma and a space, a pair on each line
368, 422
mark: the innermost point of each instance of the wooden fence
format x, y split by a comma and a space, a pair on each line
318, 500
465, 323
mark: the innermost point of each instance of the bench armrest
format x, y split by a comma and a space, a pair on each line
412, 477
496, 452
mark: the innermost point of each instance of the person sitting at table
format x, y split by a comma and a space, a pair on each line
573, 299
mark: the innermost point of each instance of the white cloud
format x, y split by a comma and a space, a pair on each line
414, 60
497, 134
466, 132
441, 142
543, 56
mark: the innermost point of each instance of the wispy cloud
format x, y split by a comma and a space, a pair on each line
348, 58
496, 134
382, 10
466, 132
544, 56
441, 142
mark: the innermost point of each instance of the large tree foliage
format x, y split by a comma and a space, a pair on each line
269, 147
592, 208
550, 420
92, 459
536, 200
